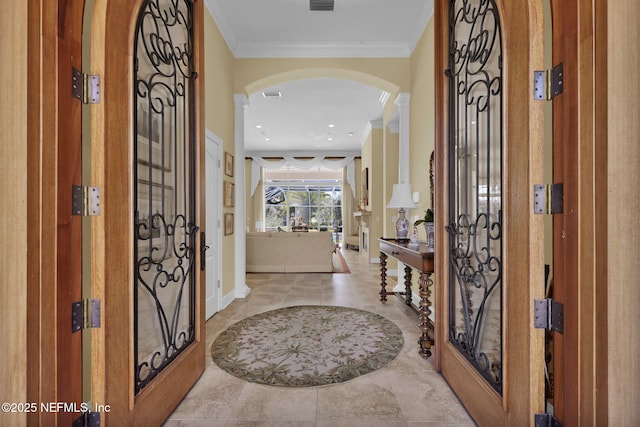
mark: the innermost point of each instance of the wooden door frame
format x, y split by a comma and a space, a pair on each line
114, 24
54, 164
523, 395
580, 259
42, 18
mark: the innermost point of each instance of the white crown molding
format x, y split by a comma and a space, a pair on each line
275, 153
223, 26
425, 17
318, 49
323, 50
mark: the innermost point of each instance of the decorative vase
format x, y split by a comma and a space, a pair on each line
430, 231
415, 241
402, 225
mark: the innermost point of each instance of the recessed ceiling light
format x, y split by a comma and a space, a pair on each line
330, 139
332, 126
259, 126
267, 139
350, 134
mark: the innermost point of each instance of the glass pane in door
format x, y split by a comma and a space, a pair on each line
475, 185
164, 189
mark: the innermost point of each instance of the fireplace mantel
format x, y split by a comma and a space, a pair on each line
364, 219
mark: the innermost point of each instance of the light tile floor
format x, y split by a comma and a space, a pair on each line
407, 392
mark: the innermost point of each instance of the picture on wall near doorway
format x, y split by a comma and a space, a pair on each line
228, 164
228, 224
154, 139
365, 187
228, 194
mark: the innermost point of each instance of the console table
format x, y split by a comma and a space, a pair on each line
414, 257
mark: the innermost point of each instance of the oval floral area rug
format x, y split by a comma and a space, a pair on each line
305, 346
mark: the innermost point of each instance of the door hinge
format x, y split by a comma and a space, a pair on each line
85, 87
548, 314
548, 84
546, 420
548, 198
85, 200
87, 419
85, 314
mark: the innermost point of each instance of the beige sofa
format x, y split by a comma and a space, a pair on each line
285, 252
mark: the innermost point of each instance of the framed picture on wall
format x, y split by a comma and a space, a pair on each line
228, 164
228, 224
228, 194
154, 141
365, 187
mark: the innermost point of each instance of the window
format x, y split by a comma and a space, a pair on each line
303, 204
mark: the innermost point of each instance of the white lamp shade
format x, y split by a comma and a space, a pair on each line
402, 197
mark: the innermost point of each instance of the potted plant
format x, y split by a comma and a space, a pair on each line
428, 227
428, 217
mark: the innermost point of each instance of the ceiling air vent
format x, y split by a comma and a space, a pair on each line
271, 94
321, 5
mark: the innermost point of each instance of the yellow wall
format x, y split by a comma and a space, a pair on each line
367, 147
390, 74
422, 121
352, 229
376, 193
219, 118
373, 159
390, 164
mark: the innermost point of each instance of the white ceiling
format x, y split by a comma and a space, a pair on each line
322, 114
299, 120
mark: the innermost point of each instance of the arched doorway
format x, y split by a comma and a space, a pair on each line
261, 80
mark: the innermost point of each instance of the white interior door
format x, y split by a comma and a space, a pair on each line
213, 149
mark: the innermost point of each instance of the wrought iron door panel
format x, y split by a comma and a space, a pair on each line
164, 191
475, 185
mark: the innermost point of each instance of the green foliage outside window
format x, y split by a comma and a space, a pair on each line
314, 205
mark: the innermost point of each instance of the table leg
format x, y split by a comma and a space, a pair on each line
407, 285
383, 277
426, 328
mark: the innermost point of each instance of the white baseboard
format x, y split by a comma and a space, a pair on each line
242, 291
228, 299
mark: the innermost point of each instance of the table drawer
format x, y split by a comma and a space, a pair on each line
409, 257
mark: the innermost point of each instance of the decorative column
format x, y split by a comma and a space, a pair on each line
241, 289
404, 162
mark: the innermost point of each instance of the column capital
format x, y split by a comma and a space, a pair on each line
240, 101
394, 126
402, 100
376, 123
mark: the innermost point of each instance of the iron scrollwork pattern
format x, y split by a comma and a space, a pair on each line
475, 185
164, 203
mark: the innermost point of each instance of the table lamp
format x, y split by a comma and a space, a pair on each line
401, 198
